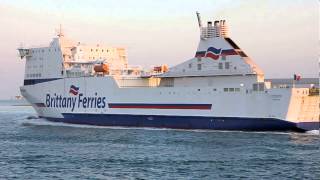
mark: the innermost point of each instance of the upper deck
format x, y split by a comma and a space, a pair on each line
218, 62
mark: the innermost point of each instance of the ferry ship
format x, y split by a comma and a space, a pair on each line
220, 88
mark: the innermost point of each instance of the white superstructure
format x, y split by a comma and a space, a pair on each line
219, 88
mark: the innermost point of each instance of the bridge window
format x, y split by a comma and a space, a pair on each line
261, 87
258, 87
220, 66
227, 65
199, 67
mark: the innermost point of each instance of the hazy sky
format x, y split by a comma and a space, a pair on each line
280, 36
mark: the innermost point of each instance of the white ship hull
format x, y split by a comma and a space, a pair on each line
166, 107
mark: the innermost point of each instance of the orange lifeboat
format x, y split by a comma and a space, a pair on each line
165, 68
101, 68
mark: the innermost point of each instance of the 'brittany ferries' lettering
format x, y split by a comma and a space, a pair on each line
80, 101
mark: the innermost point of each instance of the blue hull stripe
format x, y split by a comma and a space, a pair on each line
309, 125
182, 122
40, 104
37, 81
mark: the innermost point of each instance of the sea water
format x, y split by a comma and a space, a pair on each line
32, 148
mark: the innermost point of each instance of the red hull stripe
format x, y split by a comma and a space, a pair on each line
160, 106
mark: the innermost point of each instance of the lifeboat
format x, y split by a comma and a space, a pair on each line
101, 68
165, 68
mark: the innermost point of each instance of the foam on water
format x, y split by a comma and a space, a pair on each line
313, 132
44, 122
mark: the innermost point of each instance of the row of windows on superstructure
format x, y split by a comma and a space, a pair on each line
224, 89
220, 66
57, 49
102, 50
35, 58
110, 59
34, 66
94, 57
224, 58
231, 89
35, 75
45, 50
75, 74
258, 86
227, 90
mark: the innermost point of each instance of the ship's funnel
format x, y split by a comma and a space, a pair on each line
218, 29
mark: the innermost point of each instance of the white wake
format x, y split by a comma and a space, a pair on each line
313, 132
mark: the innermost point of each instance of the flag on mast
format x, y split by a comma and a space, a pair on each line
296, 77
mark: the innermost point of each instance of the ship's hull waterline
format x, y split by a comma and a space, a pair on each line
186, 122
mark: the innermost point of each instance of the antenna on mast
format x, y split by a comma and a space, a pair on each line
199, 19
60, 31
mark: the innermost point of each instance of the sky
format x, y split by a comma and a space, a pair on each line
282, 37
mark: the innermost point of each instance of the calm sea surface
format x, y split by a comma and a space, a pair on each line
37, 149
